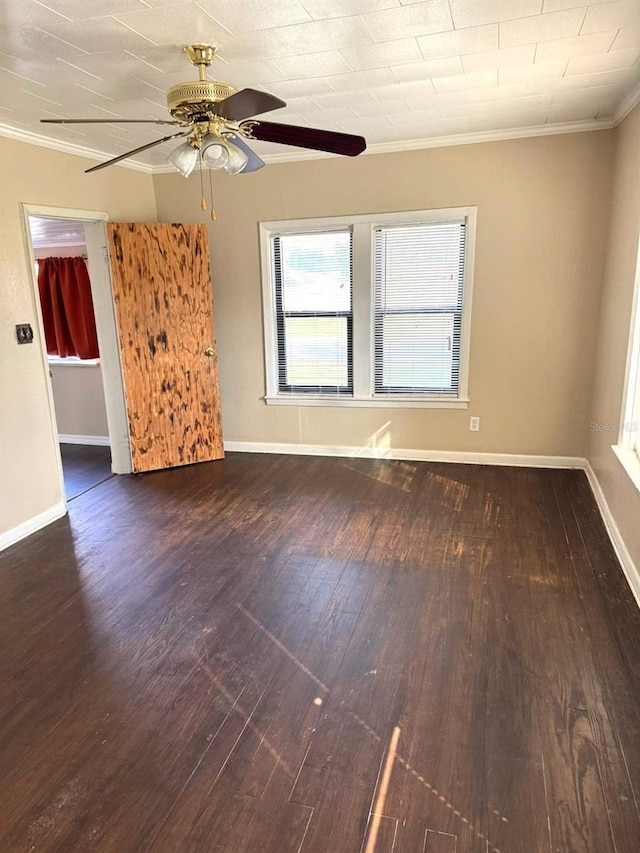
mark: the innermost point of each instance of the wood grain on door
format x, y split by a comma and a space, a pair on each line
164, 310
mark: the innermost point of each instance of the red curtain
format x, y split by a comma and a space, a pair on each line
67, 307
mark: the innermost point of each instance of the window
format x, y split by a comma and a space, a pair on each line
630, 437
72, 360
312, 279
369, 310
418, 283
628, 447
66, 303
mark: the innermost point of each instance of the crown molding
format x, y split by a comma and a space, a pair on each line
31, 138
377, 148
490, 136
631, 101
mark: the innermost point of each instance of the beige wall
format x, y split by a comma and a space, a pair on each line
28, 477
78, 397
612, 341
539, 261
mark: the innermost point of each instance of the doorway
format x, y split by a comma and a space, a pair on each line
86, 396
59, 246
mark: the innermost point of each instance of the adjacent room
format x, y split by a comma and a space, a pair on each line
320, 457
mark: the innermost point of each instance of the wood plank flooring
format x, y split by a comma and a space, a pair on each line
84, 466
272, 653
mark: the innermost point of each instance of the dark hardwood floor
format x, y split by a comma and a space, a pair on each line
84, 466
274, 653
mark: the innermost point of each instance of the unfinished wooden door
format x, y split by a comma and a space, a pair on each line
164, 311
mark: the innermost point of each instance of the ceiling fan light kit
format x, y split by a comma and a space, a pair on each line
237, 159
214, 152
184, 158
216, 119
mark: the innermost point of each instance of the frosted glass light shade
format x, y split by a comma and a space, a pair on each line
184, 158
215, 153
237, 159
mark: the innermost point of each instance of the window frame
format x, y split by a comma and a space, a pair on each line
363, 310
628, 447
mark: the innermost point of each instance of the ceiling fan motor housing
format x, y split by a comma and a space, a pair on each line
187, 101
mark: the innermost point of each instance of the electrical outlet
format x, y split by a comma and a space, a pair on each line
474, 424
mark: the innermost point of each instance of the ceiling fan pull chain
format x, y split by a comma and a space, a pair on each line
203, 203
213, 211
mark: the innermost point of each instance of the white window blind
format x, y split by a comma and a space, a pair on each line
418, 296
312, 274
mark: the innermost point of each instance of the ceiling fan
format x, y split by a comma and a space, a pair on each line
211, 114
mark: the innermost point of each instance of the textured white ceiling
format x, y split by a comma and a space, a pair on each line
398, 72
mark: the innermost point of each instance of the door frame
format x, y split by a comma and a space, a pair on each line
111, 369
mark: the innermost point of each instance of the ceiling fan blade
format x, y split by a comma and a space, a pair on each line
254, 162
135, 151
247, 103
107, 121
309, 137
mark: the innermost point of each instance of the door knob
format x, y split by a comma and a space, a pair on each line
210, 351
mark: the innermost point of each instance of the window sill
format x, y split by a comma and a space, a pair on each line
630, 461
395, 402
56, 361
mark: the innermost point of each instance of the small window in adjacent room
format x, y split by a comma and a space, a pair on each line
68, 316
369, 310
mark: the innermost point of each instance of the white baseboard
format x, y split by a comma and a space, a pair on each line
97, 440
632, 573
10, 537
463, 457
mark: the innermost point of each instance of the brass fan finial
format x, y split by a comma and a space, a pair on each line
202, 55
